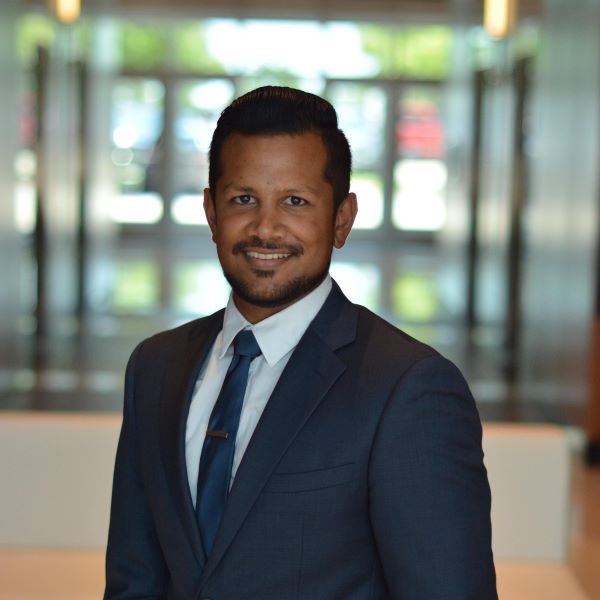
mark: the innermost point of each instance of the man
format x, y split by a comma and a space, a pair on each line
333, 456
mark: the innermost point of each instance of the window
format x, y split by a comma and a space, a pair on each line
137, 148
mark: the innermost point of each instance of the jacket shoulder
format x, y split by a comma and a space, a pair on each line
387, 339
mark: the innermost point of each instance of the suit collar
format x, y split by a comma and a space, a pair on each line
280, 333
336, 322
180, 376
310, 373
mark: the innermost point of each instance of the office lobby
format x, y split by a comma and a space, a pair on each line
475, 134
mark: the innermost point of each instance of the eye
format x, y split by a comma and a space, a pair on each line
244, 200
294, 201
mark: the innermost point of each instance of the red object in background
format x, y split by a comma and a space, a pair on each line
419, 133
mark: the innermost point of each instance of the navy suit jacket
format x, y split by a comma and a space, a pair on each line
364, 479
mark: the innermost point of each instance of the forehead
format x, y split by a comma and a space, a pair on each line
298, 156
306, 144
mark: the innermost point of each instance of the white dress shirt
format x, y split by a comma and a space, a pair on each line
277, 336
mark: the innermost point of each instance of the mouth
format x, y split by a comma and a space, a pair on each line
266, 259
268, 256
264, 256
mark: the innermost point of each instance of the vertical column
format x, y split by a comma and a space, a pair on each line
592, 424
59, 179
560, 289
593, 412
100, 185
459, 101
10, 243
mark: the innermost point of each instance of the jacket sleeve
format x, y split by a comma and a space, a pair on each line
429, 493
135, 567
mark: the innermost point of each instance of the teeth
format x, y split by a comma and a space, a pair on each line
262, 256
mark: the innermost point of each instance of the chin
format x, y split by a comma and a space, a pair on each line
275, 295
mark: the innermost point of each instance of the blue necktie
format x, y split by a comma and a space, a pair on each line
219, 445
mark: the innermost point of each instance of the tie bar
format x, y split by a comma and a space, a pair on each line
218, 434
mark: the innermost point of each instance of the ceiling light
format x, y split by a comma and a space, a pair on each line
499, 17
66, 11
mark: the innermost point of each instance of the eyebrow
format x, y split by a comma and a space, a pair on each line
250, 190
239, 188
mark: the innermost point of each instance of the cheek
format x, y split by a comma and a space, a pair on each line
228, 228
320, 234
315, 227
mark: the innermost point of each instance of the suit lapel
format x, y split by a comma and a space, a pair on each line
180, 376
309, 374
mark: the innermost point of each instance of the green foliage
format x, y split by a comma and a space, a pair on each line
527, 41
191, 50
33, 31
378, 42
421, 52
143, 47
415, 297
136, 287
427, 51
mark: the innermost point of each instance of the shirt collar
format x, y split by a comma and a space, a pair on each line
279, 333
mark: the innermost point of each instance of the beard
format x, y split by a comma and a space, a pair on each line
276, 295
280, 295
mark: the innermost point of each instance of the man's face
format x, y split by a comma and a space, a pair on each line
273, 219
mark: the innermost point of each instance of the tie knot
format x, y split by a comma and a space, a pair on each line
245, 344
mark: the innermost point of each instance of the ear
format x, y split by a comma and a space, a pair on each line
209, 211
344, 219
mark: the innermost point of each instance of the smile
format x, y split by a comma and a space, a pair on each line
270, 256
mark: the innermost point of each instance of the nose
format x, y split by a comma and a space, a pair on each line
267, 223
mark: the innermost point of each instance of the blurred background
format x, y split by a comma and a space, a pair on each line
476, 137
476, 166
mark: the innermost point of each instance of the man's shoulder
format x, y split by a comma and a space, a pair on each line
389, 354
386, 337
343, 322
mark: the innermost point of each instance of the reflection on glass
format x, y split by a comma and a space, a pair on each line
419, 197
136, 286
361, 110
137, 124
343, 52
25, 199
199, 104
368, 188
187, 209
360, 282
361, 114
199, 287
137, 113
305, 49
415, 297
144, 208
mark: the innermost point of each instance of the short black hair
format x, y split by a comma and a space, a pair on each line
274, 110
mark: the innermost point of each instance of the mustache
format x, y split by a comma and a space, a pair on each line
255, 243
